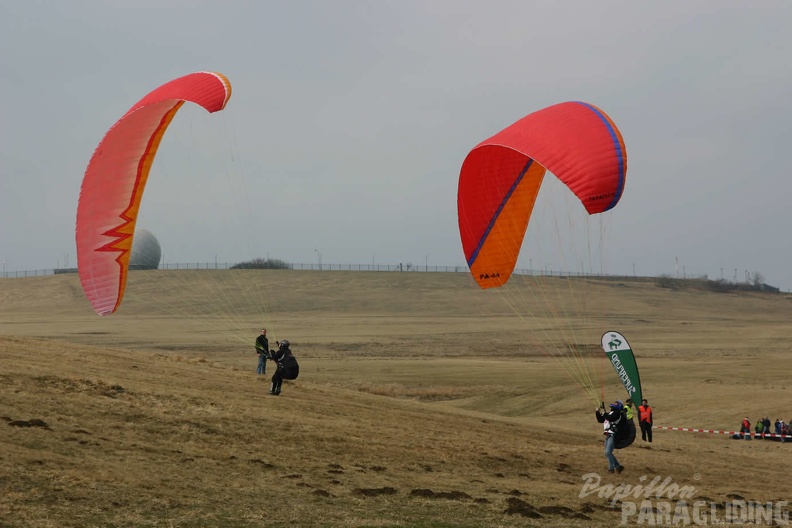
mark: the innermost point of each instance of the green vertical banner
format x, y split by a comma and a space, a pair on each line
621, 356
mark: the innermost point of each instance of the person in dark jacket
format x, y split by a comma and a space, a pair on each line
262, 349
287, 366
611, 421
766, 425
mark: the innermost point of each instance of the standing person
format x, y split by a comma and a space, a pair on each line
758, 429
628, 408
626, 434
262, 349
745, 428
645, 420
612, 421
287, 366
766, 425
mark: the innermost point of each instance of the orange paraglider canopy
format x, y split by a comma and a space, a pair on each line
114, 181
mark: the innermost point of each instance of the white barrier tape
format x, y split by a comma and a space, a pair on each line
730, 433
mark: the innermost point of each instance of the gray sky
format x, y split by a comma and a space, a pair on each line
349, 122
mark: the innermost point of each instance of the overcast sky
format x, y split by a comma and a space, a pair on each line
349, 122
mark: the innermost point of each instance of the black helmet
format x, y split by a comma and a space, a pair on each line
284, 343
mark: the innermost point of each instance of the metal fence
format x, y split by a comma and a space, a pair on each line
401, 267
315, 266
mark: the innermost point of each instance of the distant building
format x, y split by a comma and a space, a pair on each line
146, 251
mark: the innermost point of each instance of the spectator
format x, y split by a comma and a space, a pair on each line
766, 424
629, 408
262, 349
758, 427
745, 428
645, 420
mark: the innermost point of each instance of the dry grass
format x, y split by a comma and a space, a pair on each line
403, 415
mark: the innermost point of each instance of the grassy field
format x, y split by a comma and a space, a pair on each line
422, 402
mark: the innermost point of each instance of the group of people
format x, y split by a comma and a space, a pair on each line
286, 364
619, 425
764, 427
619, 428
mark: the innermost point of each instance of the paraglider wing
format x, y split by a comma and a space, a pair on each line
500, 178
621, 356
116, 176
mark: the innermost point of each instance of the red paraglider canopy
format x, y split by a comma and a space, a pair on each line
500, 179
113, 185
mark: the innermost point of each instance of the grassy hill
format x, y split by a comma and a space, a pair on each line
422, 401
